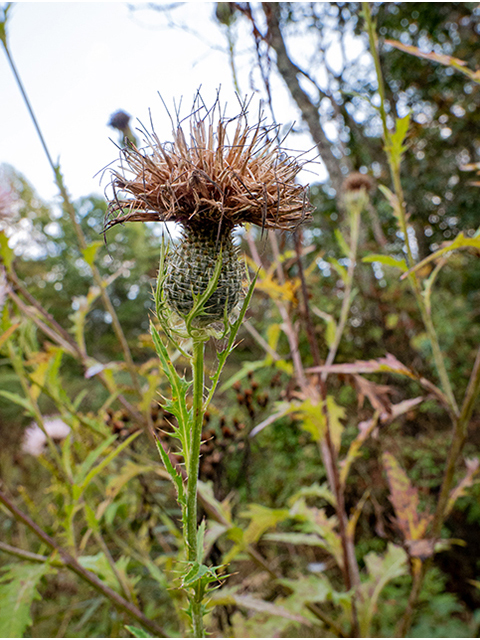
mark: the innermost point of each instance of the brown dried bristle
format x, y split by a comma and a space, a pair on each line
356, 181
210, 179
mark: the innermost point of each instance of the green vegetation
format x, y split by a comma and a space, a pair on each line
338, 485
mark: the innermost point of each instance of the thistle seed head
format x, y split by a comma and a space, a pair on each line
223, 173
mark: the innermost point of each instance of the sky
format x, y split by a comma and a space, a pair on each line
82, 61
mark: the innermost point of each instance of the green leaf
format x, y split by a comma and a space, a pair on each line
174, 475
6, 253
136, 632
261, 519
255, 604
91, 458
106, 461
18, 589
460, 242
100, 566
342, 243
313, 417
179, 386
91, 519
340, 269
90, 252
14, 397
304, 539
387, 260
381, 571
395, 146
6, 335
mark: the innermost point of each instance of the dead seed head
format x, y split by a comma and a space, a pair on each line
119, 120
221, 172
356, 181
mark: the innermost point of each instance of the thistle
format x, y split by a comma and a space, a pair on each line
209, 184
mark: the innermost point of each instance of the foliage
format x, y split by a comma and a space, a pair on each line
333, 496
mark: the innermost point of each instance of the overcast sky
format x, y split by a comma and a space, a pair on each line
80, 62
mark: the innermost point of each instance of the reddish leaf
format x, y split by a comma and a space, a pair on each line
404, 498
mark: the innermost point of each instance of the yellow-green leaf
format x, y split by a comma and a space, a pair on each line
90, 252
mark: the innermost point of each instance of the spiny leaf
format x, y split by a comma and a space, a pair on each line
179, 386
18, 589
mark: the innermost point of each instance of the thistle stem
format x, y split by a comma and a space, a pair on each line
192, 481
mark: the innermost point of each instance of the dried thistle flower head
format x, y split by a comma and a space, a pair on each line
223, 173
356, 181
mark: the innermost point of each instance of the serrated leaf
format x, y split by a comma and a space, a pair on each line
405, 501
90, 518
18, 589
177, 405
315, 520
173, 473
314, 491
381, 570
395, 147
314, 420
261, 519
310, 588
100, 566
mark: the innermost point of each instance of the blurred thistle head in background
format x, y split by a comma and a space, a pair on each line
219, 174
34, 439
120, 120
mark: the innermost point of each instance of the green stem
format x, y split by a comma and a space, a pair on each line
402, 216
192, 481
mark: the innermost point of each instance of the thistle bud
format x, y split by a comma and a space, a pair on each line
191, 267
